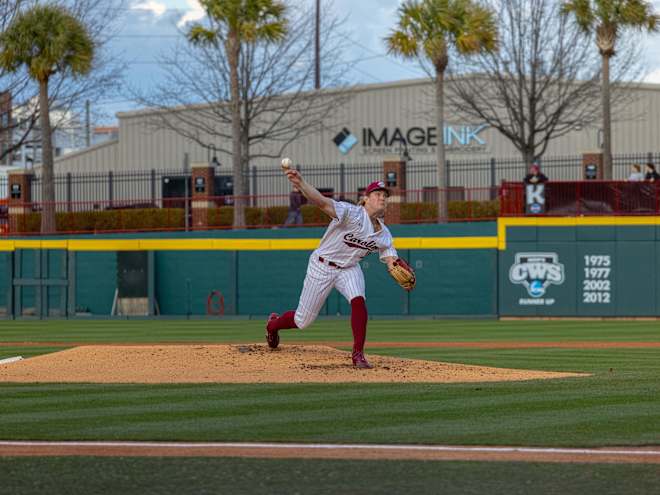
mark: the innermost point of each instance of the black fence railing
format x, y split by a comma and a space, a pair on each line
155, 185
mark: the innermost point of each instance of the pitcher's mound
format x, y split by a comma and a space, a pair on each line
252, 363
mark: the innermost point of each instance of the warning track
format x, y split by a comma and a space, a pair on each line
648, 455
587, 344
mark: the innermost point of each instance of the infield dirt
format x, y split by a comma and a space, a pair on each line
249, 363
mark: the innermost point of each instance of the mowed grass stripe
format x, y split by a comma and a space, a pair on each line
610, 362
232, 331
29, 351
618, 407
538, 413
188, 476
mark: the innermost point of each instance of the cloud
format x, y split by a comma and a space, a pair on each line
195, 13
653, 77
152, 6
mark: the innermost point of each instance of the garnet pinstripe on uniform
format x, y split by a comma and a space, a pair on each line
335, 263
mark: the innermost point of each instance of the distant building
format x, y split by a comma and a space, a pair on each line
104, 134
378, 122
68, 135
5, 127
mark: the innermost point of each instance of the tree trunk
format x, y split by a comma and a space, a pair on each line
48, 183
607, 120
528, 158
440, 149
245, 146
233, 51
245, 166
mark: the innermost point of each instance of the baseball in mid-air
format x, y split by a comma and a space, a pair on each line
286, 163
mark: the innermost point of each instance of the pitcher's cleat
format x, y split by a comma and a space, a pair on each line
359, 361
272, 337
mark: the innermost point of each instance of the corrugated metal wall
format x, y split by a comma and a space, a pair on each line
403, 104
101, 157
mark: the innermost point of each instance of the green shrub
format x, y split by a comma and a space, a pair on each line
312, 215
30, 222
457, 210
221, 217
254, 216
473, 209
419, 211
106, 220
276, 215
150, 218
173, 218
257, 216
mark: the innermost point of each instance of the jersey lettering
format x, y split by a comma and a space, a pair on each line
352, 241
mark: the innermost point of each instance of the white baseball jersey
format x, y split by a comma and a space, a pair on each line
335, 263
351, 236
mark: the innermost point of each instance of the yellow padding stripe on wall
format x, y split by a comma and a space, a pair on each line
235, 244
498, 242
604, 221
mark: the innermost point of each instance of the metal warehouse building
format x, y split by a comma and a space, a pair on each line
369, 128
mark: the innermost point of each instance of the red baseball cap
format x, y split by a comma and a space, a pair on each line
379, 185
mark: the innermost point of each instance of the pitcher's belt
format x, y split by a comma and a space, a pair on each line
329, 263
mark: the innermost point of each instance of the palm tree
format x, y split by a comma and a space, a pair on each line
607, 18
426, 31
234, 23
46, 40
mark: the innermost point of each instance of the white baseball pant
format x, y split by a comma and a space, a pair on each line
319, 281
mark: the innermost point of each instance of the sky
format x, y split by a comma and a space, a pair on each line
149, 28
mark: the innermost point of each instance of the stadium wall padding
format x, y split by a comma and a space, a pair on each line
256, 282
451, 282
5, 283
607, 271
609, 267
95, 281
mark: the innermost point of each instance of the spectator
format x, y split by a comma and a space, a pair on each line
636, 175
296, 200
535, 176
651, 174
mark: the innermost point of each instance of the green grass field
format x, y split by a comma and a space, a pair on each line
619, 404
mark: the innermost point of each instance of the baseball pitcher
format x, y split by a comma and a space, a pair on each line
353, 233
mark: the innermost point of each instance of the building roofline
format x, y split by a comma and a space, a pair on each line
354, 88
329, 91
86, 150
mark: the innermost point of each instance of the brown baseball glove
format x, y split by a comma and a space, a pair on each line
403, 274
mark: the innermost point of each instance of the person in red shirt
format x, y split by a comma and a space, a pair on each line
535, 176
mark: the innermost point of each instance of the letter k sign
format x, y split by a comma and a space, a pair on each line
535, 194
535, 198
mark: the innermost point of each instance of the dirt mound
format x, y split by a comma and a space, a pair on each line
252, 363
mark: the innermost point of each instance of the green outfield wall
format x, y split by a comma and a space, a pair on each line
254, 271
580, 267
541, 267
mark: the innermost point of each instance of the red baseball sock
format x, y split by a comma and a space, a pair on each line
359, 323
283, 322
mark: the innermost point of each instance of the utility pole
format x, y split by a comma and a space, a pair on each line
317, 47
88, 130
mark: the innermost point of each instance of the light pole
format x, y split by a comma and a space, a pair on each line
405, 155
212, 161
317, 47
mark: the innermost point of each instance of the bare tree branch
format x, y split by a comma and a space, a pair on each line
542, 83
278, 102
